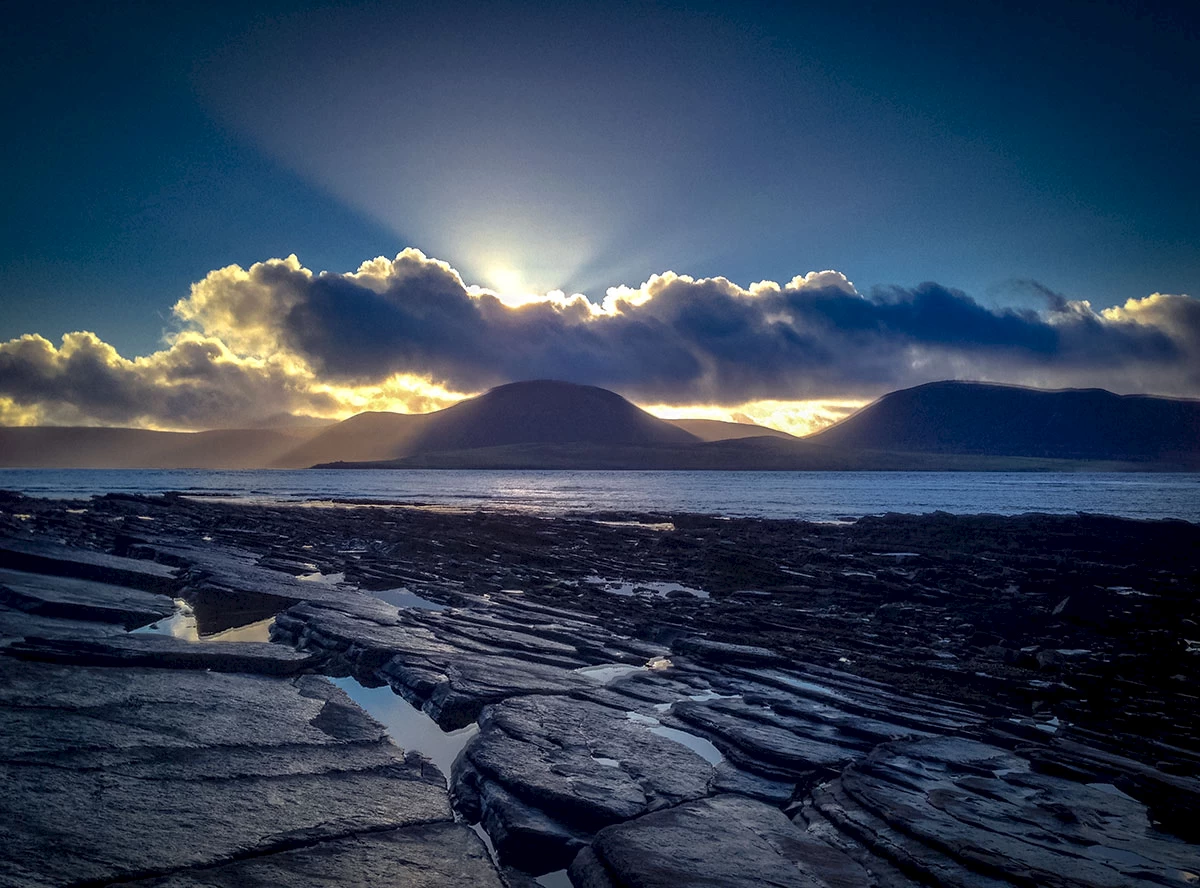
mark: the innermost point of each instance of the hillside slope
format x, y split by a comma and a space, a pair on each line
1002, 420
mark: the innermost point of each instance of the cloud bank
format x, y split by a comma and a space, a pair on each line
408, 333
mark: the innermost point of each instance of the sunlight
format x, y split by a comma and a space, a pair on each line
798, 418
506, 280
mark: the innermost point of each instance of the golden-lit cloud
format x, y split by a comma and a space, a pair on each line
408, 334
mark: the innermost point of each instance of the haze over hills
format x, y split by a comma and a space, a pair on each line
719, 430
1006, 420
82, 447
547, 424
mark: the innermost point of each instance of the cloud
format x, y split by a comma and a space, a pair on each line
409, 333
676, 339
197, 382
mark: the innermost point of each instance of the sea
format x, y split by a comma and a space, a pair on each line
812, 496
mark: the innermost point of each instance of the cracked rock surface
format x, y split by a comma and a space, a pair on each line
971, 701
120, 774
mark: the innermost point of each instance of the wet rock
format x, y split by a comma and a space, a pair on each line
52, 596
855, 647
450, 663
433, 855
43, 557
580, 765
959, 812
115, 774
725, 841
723, 652
165, 652
17, 625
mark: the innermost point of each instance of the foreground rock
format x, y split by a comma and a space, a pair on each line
430, 855
961, 813
122, 774
727, 841
48, 596
545, 773
452, 663
165, 652
661, 700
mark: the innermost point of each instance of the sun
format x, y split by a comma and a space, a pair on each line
506, 280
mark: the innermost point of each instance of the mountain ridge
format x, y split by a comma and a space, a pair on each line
948, 425
992, 419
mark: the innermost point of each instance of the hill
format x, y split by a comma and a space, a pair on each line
65, 447
1001, 420
545, 424
545, 412
717, 430
366, 436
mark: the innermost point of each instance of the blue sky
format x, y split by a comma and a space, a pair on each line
1002, 151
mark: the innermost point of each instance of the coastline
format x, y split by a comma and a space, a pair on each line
815, 655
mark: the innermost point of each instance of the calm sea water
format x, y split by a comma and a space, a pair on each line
819, 496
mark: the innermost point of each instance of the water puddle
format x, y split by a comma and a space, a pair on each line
182, 625
607, 672
328, 579
661, 526
702, 697
403, 598
642, 589
1111, 790
556, 879
478, 829
410, 728
698, 745
807, 688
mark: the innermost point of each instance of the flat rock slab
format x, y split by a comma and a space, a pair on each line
575, 765
41, 556
727, 841
443, 662
433, 855
57, 596
17, 625
119, 774
165, 652
963, 813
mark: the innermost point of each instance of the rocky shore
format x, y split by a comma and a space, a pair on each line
640, 700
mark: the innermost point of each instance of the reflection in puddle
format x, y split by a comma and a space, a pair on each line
182, 625
556, 879
410, 728
487, 841
643, 589
606, 672
317, 577
698, 745
403, 598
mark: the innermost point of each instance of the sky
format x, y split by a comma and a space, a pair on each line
217, 215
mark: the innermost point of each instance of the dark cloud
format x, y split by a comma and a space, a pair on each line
678, 340
277, 337
195, 383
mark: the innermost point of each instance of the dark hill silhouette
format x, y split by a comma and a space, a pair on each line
544, 424
545, 412
1004, 420
65, 447
718, 430
537, 412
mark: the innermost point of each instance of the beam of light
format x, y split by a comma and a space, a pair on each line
567, 146
797, 418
